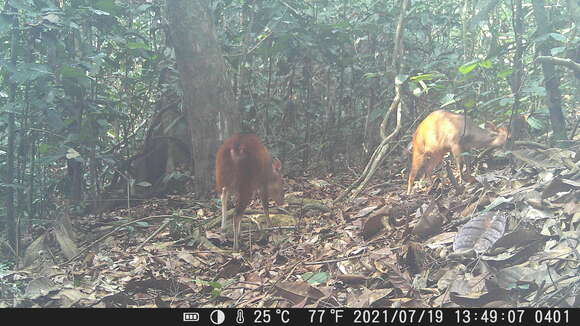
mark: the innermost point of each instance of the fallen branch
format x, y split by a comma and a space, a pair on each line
108, 234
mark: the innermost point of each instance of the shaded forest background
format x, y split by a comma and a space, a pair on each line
93, 112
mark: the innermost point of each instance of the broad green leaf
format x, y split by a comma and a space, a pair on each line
54, 120
53, 158
27, 72
52, 18
5, 23
215, 286
137, 45
535, 123
468, 67
25, 5
496, 202
541, 38
103, 123
486, 64
316, 278
558, 37
534, 90
469, 103
558, 50
505, 73
506, 101
143, 7
107, 6
71, 72
43, 148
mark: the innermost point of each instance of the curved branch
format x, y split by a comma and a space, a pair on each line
568, 63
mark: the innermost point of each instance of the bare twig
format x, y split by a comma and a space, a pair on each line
335, 260
159, 229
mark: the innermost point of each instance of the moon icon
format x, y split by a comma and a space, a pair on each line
217, 317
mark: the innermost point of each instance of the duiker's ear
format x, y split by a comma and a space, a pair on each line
277, 164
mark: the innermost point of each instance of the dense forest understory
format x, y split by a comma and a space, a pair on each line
112, 112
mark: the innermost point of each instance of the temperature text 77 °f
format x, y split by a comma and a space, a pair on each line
317, 315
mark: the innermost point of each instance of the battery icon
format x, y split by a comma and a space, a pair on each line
190, 316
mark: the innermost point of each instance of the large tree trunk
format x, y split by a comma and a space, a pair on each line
11, 223
551, 76
207, 93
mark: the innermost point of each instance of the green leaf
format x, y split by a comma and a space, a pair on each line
506, 101
486, 64
558, 50
71, 72
558, 37
142, 224
469, 103
52, 18
496, 202
370, 75
43, 148
505, 73
143, 7
5, 23
137, 45
103, 123
53, 158
25, 5
100, 12
54, 120
534, 90
316, 278
27, 72
107, 6
423, 77
468, 67
535, 123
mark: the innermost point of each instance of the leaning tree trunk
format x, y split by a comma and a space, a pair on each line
207, 93
551, 76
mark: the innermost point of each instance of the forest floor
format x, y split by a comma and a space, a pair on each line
511, 239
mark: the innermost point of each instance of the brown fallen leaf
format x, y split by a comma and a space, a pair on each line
372, 226
231, 268
298, 291
351, 278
